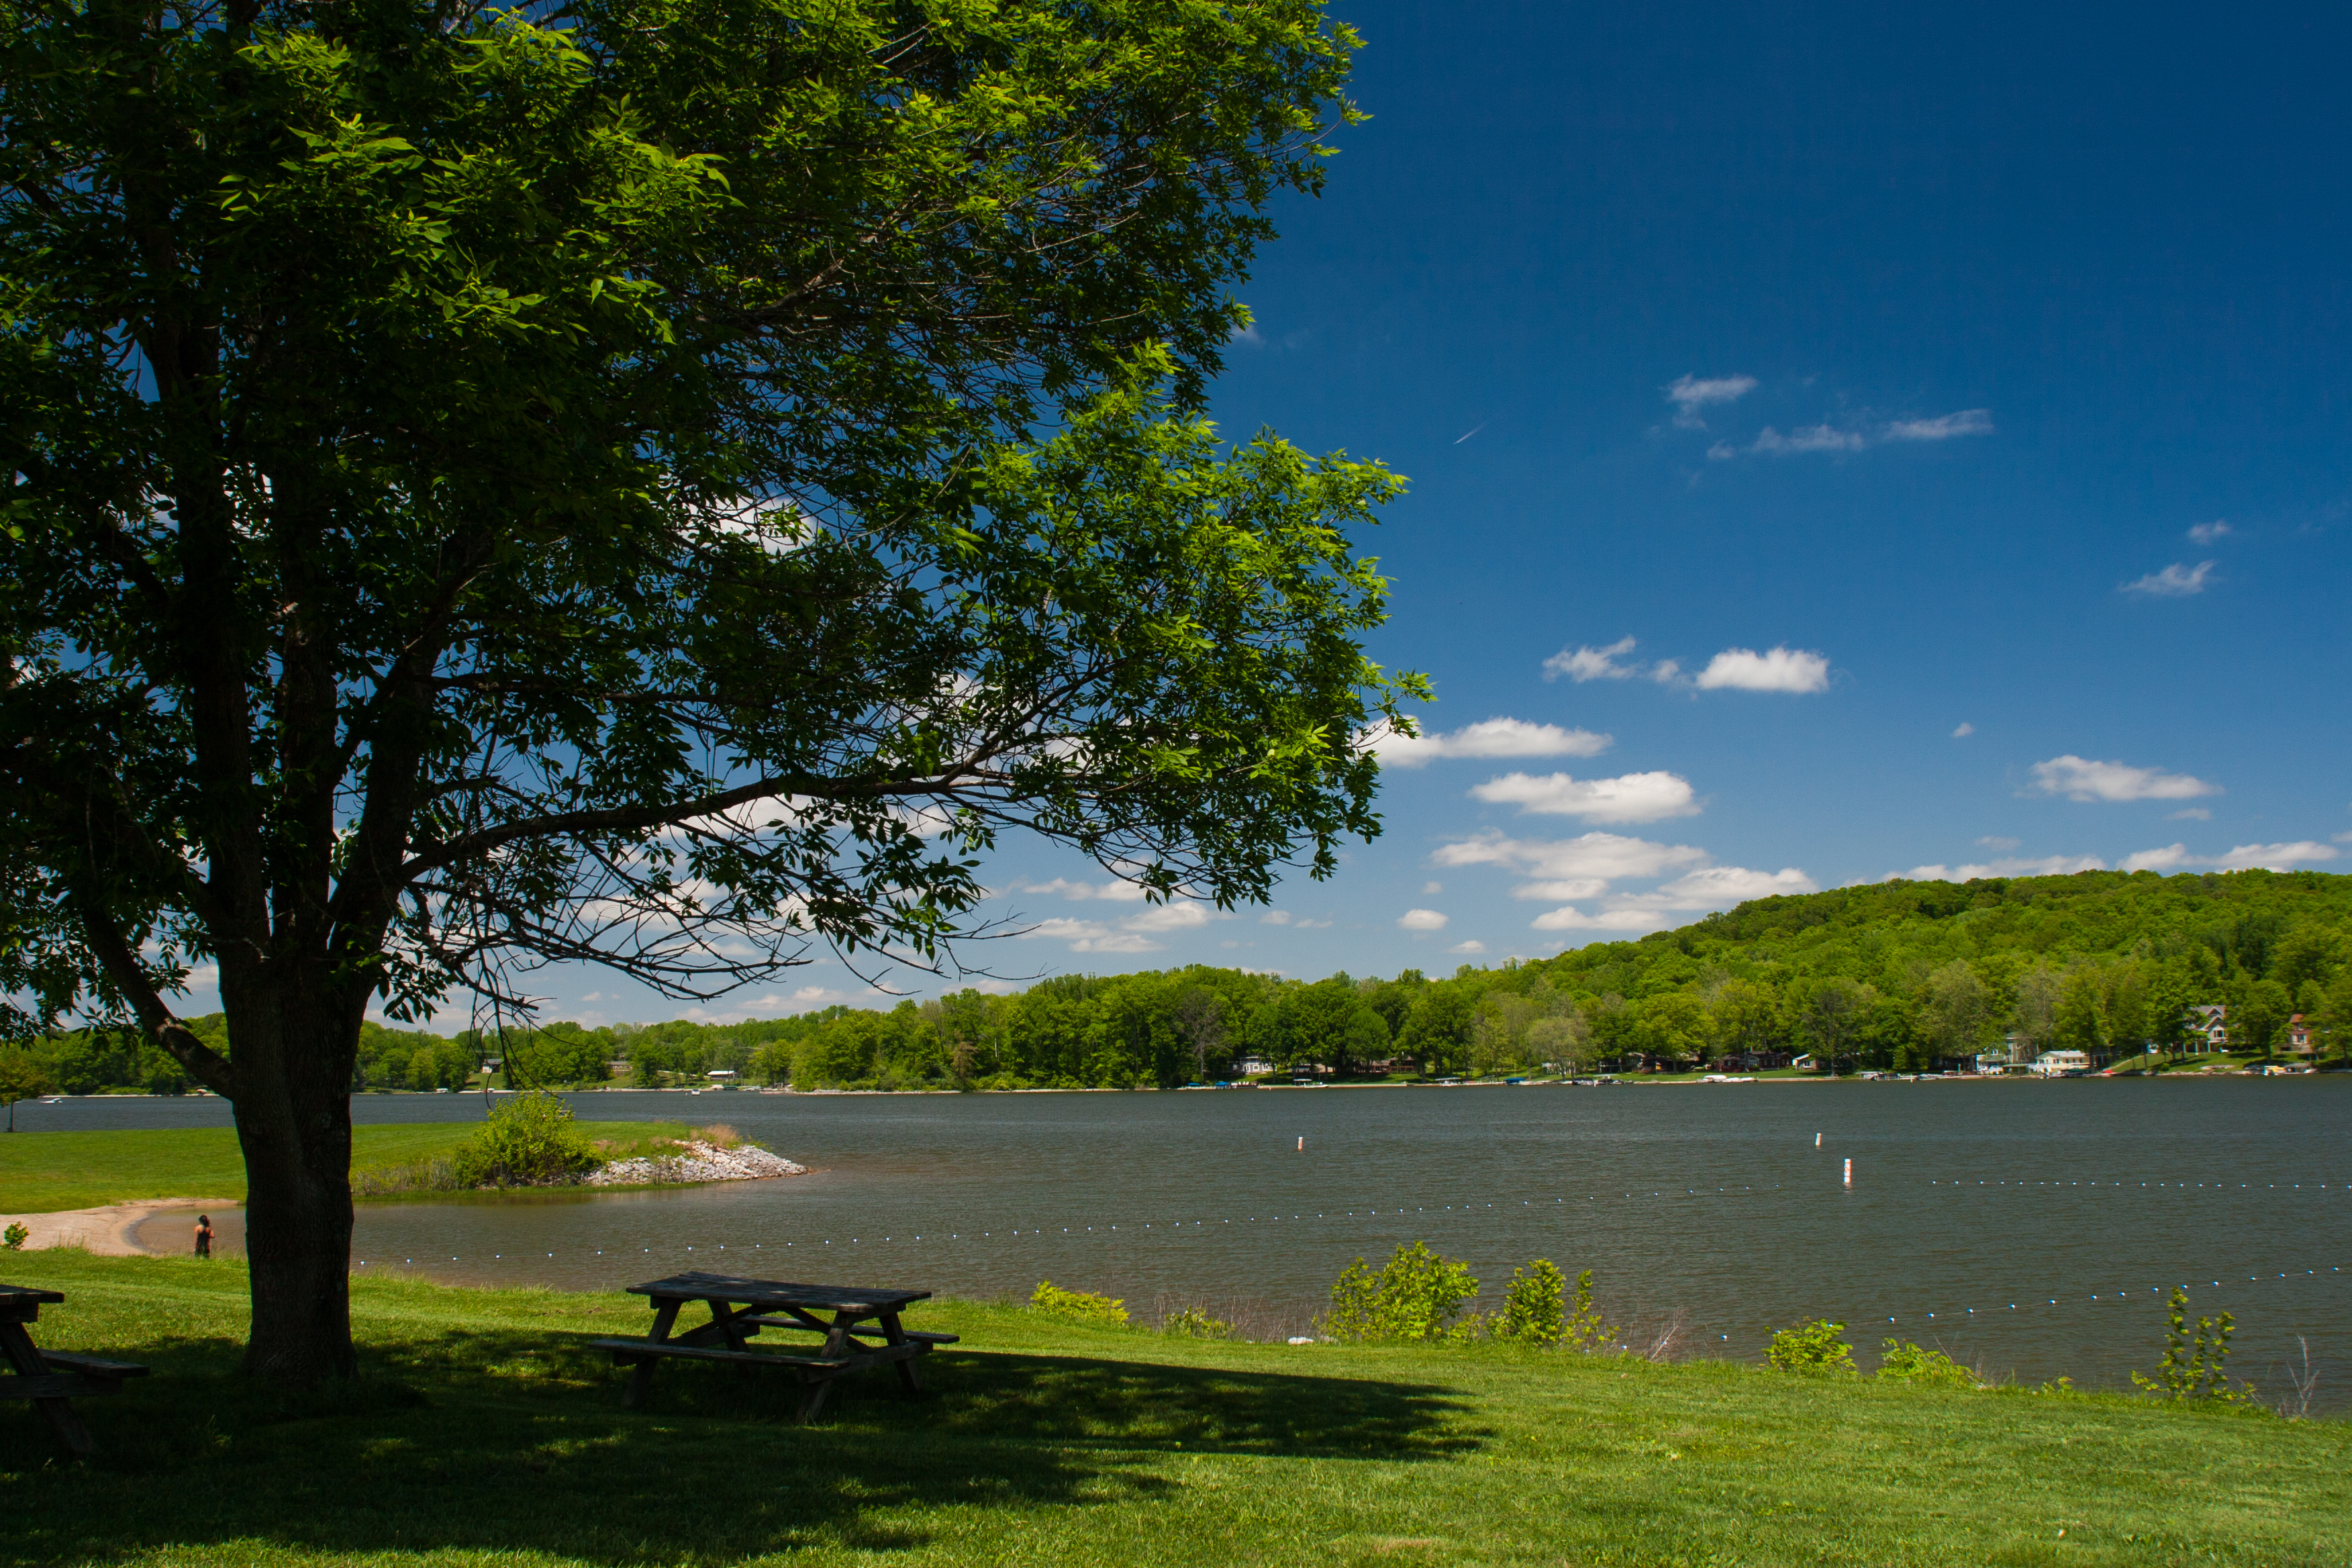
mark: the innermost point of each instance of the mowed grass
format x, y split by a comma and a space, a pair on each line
41, 1173
483, 1433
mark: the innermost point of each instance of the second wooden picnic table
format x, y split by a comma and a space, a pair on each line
51, 1379
860, 1325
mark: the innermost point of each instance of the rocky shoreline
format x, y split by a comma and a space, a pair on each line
699, 1162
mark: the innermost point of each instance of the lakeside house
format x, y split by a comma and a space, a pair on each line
2062, 1063
2208, 1029
2298, 1036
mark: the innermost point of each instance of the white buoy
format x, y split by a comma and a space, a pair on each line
1302, 1143
1849, 1172
1817, 1139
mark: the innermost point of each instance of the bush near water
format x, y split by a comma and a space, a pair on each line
531, 1140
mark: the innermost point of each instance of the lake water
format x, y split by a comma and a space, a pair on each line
2033, 1228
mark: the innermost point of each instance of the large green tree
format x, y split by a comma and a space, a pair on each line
658, 482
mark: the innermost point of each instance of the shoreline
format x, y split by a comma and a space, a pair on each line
105, 1231
2197, 1075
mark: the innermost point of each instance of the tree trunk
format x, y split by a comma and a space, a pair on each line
295, 1126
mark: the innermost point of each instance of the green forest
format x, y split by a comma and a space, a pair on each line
1908, 976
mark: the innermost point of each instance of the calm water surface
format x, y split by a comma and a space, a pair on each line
2032, 1227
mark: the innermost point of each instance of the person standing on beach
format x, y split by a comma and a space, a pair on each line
203, 1235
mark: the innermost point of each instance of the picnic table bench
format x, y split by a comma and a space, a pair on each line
864, 1331
51, 1379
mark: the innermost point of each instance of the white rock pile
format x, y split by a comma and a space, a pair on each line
697, 1161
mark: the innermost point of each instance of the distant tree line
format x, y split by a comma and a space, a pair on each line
1903, 975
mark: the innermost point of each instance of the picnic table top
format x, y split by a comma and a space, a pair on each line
778, 1293
27, 1293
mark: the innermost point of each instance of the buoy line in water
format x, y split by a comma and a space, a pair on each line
1133, 1226
1997, 1310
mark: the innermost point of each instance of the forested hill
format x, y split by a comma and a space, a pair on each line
1899, 974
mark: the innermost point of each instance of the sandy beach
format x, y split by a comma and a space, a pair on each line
105, 1231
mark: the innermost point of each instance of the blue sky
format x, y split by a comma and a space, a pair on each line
1941, 413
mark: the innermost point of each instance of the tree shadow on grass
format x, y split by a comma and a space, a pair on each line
498, 1441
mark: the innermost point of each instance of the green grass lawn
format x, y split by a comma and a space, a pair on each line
41, 1173
482, 1433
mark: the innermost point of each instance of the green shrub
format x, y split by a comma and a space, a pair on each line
1192, 1323
14, 1238
1813, 1349
1906, 1362
1533, 1312
1417, 1295
528, 1141
1080, 1305
1586, 1330
2195, 1367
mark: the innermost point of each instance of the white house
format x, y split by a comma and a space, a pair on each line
2062, 1063
2208, 1027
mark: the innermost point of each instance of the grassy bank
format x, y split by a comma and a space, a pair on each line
483, 1433
41, 1173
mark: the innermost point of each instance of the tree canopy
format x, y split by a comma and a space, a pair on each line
1920, 973
663, 484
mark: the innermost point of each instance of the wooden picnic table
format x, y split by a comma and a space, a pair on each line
863, 1332
51, 1379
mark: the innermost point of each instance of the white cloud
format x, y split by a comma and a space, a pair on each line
2078, 778
1092, 936
1114, 891
1421, 919
1569, 917
2244, 858
1275, 917
1689, 394
1770, 443
1468, 947
2207, 533
1117, 942
1721, 886
1778, 670
1563, 888
2175, 582
2047, 865
1629, 797
1181, 916
1991, 842
1943, 427
1061, 929
1428, 888
1490, 738
1314, 925
1609, 855
2190, 814
1781, 669
1810, 439
1581, 869
1964, 730
1584, 664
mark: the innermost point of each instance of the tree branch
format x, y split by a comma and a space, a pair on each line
121, 965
